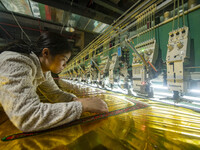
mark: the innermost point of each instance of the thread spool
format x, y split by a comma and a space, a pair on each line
166, 15
192, 3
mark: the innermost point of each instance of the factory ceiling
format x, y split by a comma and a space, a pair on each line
88, 18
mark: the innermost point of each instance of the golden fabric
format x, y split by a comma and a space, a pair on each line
156, 127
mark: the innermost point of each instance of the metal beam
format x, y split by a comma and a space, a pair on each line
27, 21
110, 6
2, 7
31, 22
80, 10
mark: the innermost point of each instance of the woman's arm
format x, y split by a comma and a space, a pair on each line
52, 92
21, 103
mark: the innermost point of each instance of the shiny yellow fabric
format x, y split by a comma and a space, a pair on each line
156, 127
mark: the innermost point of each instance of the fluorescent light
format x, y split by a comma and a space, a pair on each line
195, 103
163, 101
155, 86
69, 29
162, 93
158, 96
195, 91
191, 98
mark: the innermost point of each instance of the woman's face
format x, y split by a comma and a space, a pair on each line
58, 62
55, 63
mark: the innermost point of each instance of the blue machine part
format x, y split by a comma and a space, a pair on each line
119, 50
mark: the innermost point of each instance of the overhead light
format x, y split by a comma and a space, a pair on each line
69, 29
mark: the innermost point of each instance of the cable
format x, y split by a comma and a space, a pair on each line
183, 13
154, 18
173, 14
20, 26
147, 34
40, 26
63, 18
97, 66
62, 27
149, 22
129, 44
81, 69
178, 15
137, 29
151, 19
6, 32
152, 66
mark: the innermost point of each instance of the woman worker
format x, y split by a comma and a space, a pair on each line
24, 69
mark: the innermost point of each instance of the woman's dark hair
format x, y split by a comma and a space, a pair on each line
56, 43
17, 46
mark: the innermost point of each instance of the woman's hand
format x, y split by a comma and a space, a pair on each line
93, 104
75, 98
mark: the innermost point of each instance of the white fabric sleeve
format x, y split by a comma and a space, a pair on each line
52, 92
21, 103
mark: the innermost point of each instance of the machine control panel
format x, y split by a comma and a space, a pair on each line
177, 53
148, 51
178, 45
113, 64
104, 67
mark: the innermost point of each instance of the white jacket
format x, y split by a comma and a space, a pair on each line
20, 76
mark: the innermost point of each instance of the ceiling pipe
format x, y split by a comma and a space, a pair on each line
32, 29
16, 26
80, 10
110, 6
